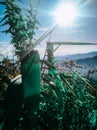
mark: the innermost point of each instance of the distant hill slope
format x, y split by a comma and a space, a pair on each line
77, 56
89, 61
84, 55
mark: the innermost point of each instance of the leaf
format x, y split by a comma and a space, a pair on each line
4, 18
5, 23
3, 3
37, 22
7, 31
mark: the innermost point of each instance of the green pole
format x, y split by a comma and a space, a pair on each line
52, 70
30, 70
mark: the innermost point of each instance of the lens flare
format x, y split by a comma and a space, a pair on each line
65, 14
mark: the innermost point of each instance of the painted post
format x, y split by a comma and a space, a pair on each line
30, 69
52, 69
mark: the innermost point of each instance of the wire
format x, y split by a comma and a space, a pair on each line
39, 40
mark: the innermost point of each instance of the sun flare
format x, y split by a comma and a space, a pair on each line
65, 14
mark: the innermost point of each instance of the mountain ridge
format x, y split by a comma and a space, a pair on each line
89, 61
77, 56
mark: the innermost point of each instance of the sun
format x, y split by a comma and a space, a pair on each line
65, 14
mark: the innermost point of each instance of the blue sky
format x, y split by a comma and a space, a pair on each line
84, 28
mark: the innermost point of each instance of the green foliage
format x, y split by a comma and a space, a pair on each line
93, 118
15, 22
74, 109
31, 23
21, 30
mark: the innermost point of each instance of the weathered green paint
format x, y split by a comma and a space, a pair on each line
30, 69
52, 70
50, 51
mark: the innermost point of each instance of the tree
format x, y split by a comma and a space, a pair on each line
31, 22
21, 30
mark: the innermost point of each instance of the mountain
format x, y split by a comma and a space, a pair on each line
77, 56
89, 67
89, 61
83, 56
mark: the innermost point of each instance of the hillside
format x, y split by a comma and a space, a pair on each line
89, 61
77, 56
